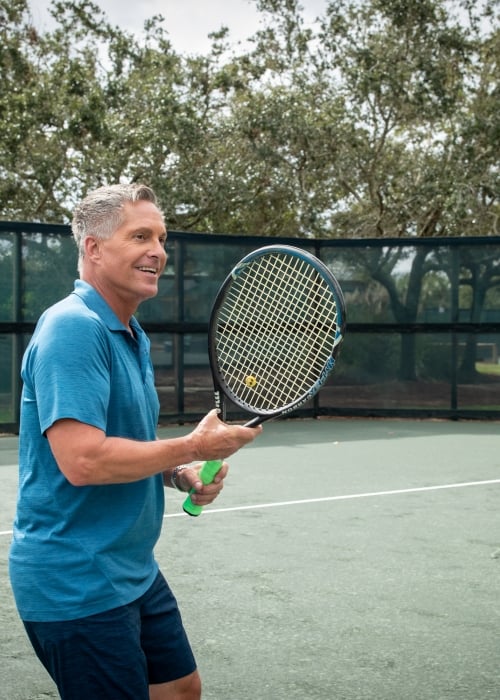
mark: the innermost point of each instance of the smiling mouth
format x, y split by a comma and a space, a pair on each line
149, 270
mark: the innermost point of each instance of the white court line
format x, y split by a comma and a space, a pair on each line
325, 499
347, 497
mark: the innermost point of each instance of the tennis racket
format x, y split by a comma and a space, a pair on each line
275, 330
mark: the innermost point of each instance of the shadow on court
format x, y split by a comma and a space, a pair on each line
345, 560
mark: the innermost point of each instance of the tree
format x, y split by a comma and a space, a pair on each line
83, 105
481, 274
378, 120
49, 109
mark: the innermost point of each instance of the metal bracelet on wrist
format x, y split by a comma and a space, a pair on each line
175, 473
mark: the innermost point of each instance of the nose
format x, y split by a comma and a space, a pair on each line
158, 250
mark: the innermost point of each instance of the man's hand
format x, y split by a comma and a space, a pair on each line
188, 478
214, 439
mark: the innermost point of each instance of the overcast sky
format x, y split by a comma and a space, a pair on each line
188, 22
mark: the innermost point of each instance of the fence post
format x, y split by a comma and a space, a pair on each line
455, 284
17, 339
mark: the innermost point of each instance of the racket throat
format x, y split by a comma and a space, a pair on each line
220, 405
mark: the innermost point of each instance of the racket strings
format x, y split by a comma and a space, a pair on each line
276, 331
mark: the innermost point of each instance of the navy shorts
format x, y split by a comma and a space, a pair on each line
118, 653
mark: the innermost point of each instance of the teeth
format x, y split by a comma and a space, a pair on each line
148, 269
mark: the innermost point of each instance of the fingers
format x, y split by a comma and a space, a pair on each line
206, 493
215, 439
221, 474
189, 478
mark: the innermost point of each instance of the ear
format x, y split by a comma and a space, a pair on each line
92, 248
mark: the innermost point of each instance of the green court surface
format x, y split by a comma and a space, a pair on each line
344, 560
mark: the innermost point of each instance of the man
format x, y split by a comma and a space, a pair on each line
99, 614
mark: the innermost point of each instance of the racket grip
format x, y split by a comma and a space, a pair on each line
207, 474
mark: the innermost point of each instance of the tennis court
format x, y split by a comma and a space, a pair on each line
345, 560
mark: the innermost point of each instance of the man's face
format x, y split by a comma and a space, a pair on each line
132, 260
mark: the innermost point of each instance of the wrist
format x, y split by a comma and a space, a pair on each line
175, 477
193, 447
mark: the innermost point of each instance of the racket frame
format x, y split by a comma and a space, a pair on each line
221, 390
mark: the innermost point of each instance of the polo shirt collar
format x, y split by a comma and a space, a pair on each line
95, 302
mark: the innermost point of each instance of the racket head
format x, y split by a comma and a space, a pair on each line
275, 331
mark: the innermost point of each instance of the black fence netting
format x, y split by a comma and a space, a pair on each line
423, 320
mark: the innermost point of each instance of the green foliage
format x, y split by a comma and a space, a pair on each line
380, 119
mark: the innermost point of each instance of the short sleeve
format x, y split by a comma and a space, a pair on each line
69, 367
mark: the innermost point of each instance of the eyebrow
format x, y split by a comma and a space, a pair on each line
146, 229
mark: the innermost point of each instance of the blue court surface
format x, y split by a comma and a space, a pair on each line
344, 560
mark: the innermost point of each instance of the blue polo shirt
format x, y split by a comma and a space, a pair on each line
78, 551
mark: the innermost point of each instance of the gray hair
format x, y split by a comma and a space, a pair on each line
101, 212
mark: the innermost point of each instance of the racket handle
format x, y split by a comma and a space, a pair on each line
207, 474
